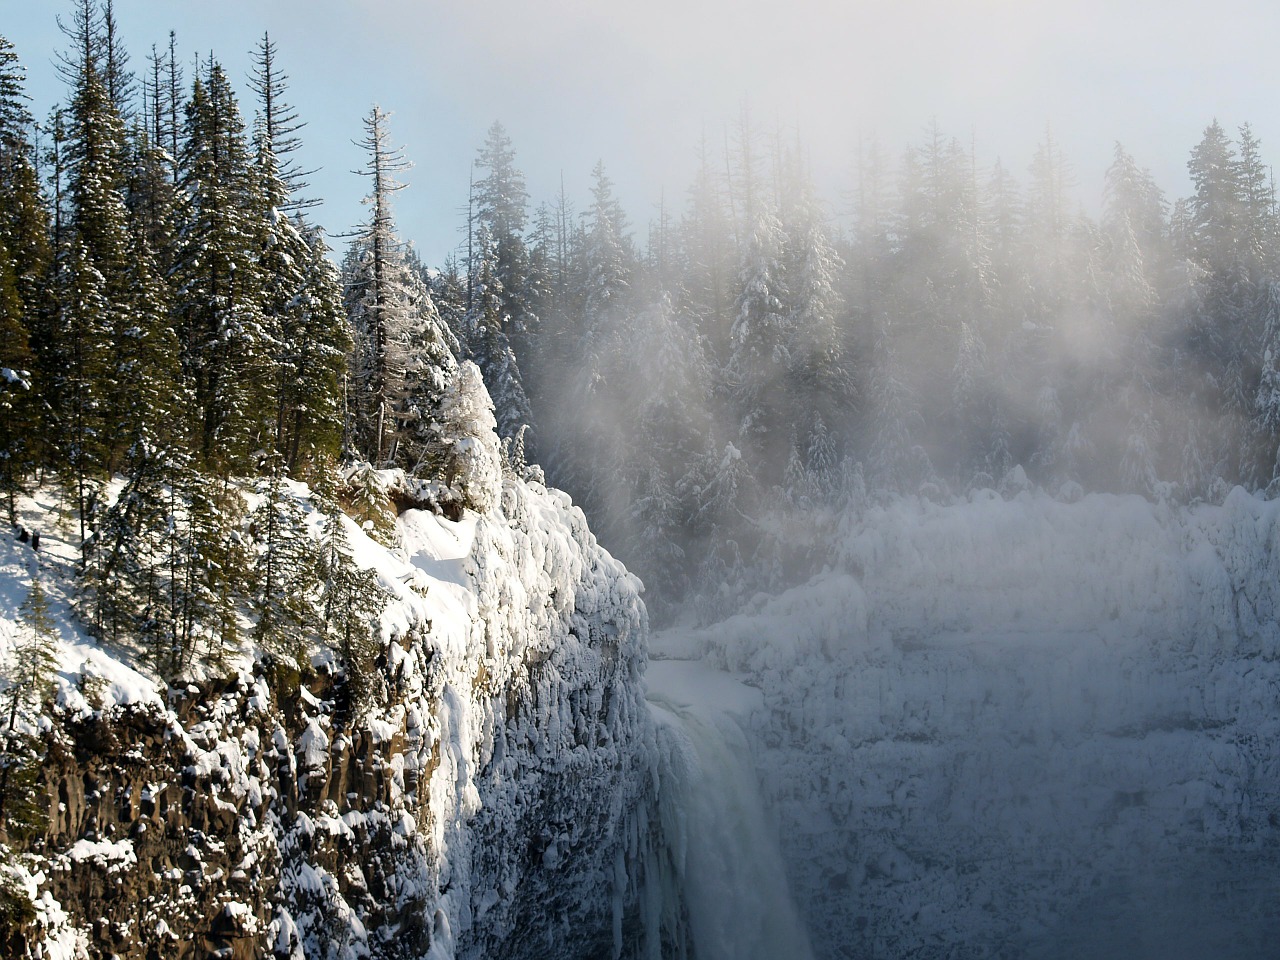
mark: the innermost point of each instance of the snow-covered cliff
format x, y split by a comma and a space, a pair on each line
484, 808
1017, 728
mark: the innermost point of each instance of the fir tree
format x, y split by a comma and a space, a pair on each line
403, 353
284, 578
29, 675
488, 344
280, 124
225, 348
350, 601
304, 326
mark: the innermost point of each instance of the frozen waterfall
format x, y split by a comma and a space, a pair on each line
726, 868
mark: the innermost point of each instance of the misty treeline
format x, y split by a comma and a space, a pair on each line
177, 348
717, 396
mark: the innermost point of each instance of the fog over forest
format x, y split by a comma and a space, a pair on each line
709, 389
818, 558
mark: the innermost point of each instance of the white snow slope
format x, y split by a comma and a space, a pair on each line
1025, 728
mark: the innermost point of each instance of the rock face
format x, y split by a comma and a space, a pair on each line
483, 808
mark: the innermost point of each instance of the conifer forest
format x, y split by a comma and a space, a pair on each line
764, 397
696, 383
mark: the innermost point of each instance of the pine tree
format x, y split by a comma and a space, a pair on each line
350, 601
818, 385
488, 344
280, 124
34, 660
403, 354
304, 325
29, 674
1266, 417
225, 348
1215, 209
463, 449
24, 259
1259, 228
501, 209
95, 251
285, 579
760, 359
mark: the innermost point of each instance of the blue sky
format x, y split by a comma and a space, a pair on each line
637, 84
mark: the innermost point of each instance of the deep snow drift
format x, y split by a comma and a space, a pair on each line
1025, 728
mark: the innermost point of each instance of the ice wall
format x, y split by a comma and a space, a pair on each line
1026, 728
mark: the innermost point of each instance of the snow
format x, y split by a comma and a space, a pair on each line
116, 857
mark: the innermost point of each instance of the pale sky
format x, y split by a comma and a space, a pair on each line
636, 84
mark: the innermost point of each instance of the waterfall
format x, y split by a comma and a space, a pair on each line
725, 868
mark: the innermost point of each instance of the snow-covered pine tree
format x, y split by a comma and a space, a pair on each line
285, 577
279, 124
403, 354
24, 258
130, 575
462, 448
226, 354
304, 324
818, 386
1265, 427
350, 601
501, 207
28, 677
488, 344
94, 295
760, 359
147, 393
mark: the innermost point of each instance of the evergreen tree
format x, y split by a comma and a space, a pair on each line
304, 325
488, 344
280, 124
350, 600
1259, 228
403, 355
1266, 418
818, 384
96, 253
29, 674
463, 449
760, 358
285, 579
34, 659
1215, 208
225, 348
24, 259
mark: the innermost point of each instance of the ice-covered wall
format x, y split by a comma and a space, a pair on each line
1026, 729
